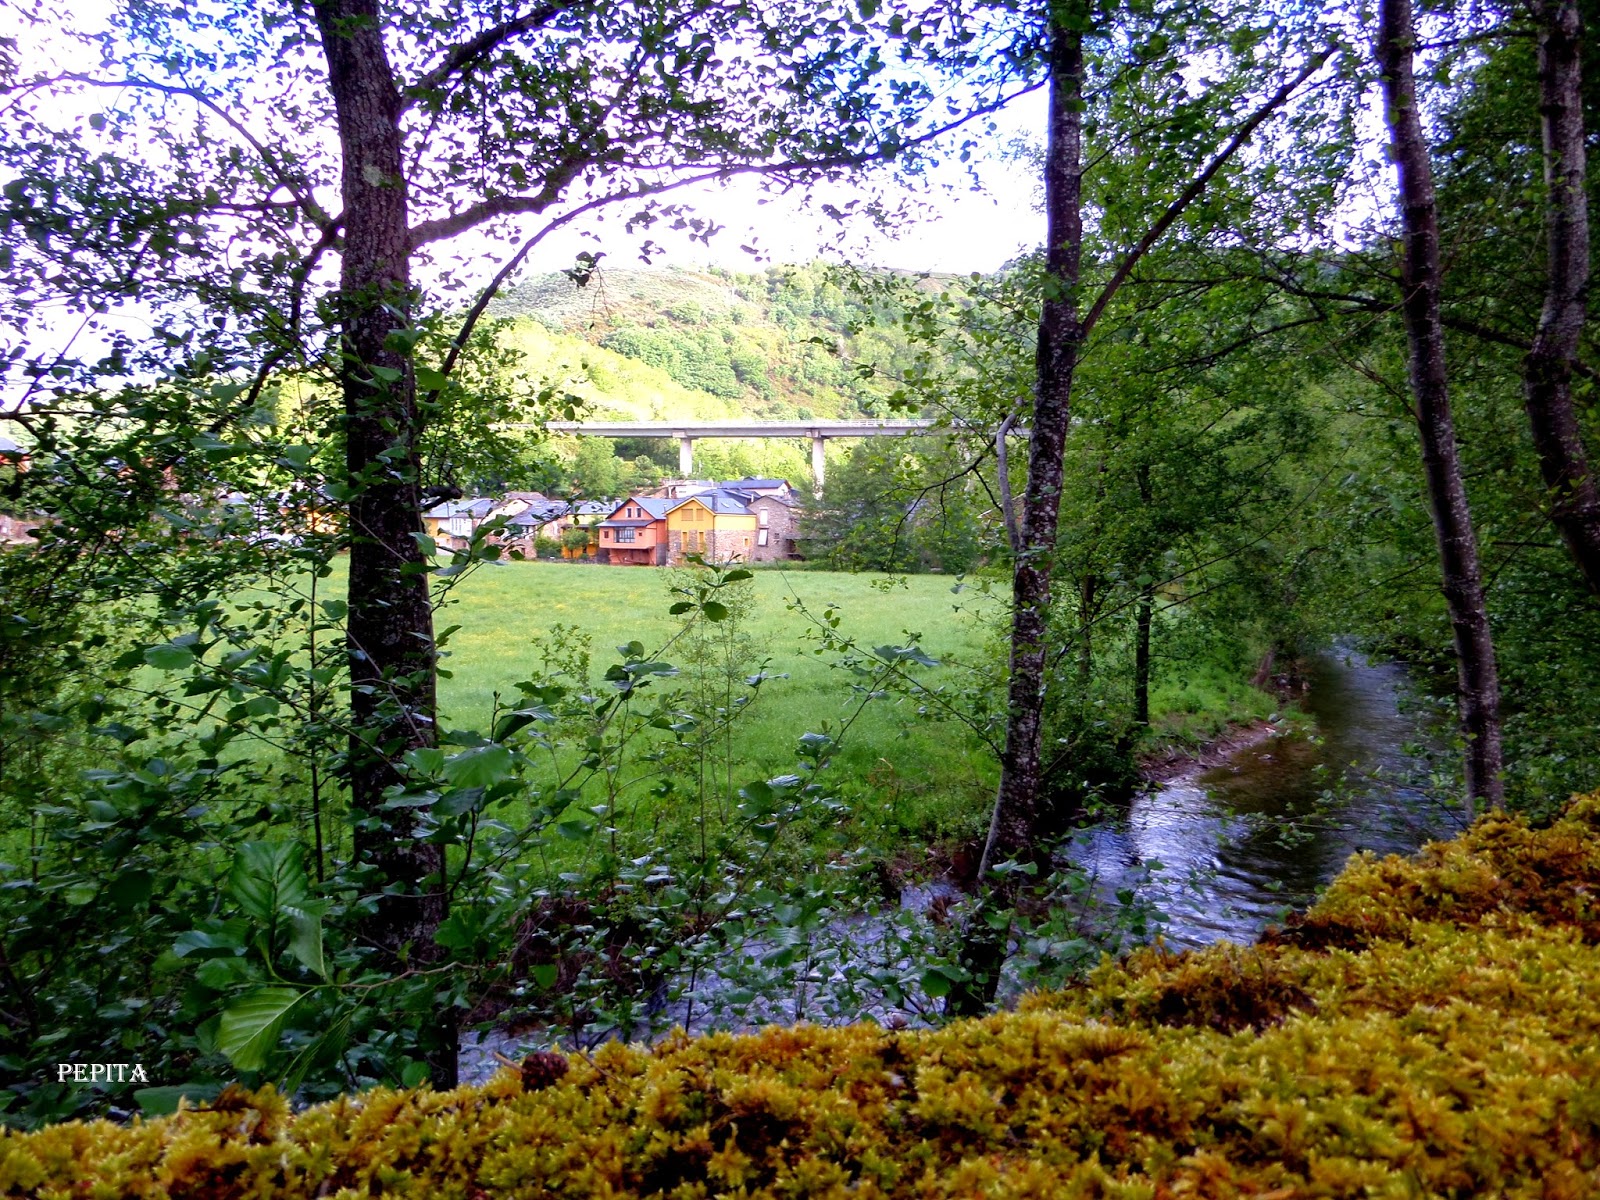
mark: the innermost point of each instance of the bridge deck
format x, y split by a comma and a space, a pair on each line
741, 429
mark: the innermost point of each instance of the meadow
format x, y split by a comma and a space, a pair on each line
921, 774
912, 774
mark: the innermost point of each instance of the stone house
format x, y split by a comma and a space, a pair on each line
775, 530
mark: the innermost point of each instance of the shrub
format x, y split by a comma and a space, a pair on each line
1429, 1029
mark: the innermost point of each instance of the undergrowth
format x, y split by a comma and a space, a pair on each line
1430, 1028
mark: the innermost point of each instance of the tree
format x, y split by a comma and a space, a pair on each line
1552, 360
1018, 825
446, 122
1478, 691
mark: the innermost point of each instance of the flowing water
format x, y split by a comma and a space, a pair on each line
1237, 845
1241, 843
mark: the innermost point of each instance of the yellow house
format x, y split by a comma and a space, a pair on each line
714, 525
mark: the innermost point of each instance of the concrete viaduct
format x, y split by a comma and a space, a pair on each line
688, 432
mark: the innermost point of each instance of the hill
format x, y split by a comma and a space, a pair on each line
787, 343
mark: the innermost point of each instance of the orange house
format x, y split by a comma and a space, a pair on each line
635, 533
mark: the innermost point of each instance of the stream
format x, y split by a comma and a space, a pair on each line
1222, 852
1242, 843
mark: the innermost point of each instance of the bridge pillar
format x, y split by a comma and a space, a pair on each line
685, 455
818, 461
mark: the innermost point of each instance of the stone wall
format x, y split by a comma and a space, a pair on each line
780, 526
721, 545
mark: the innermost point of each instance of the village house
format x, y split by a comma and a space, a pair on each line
680, 489
775, 529
635, 534
717, 525
530, 516
776, 489
452, 523
15, 529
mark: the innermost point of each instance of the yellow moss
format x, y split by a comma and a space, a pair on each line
1431, 1028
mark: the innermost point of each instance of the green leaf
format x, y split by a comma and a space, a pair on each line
460, 930
170, 656
305, 936
163, 1101
430, 380
478, 767
714, 611
268, 877
221, 974
250, 1025
937, 981
230, 938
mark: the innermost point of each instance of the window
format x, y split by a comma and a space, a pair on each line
763, 514
627, 535
606, 533
761, 537
460, 526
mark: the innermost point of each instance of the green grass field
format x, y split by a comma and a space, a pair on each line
927, 778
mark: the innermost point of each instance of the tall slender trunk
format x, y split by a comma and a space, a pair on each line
1016, 809
1088, 604
1014, 828
1142, 618
390, 621
1548, 368
1478, 686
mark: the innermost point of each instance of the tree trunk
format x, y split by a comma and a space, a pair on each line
1548, 368
1088, 593
1013, 829
390, 621
1016, 809
1478, 687
1143, 617
1141, 654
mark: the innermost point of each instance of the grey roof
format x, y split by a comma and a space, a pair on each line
745, 484
7, 446
724, 502
540, 512
628, 523
654, 505
460, 508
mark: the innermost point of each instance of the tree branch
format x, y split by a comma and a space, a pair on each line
508, 206
463, 57
1197, 186
307, 204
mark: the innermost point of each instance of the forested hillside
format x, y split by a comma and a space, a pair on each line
783, 344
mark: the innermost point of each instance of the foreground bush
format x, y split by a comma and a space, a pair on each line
1431, 1028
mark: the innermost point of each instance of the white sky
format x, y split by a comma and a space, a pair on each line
955, 229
